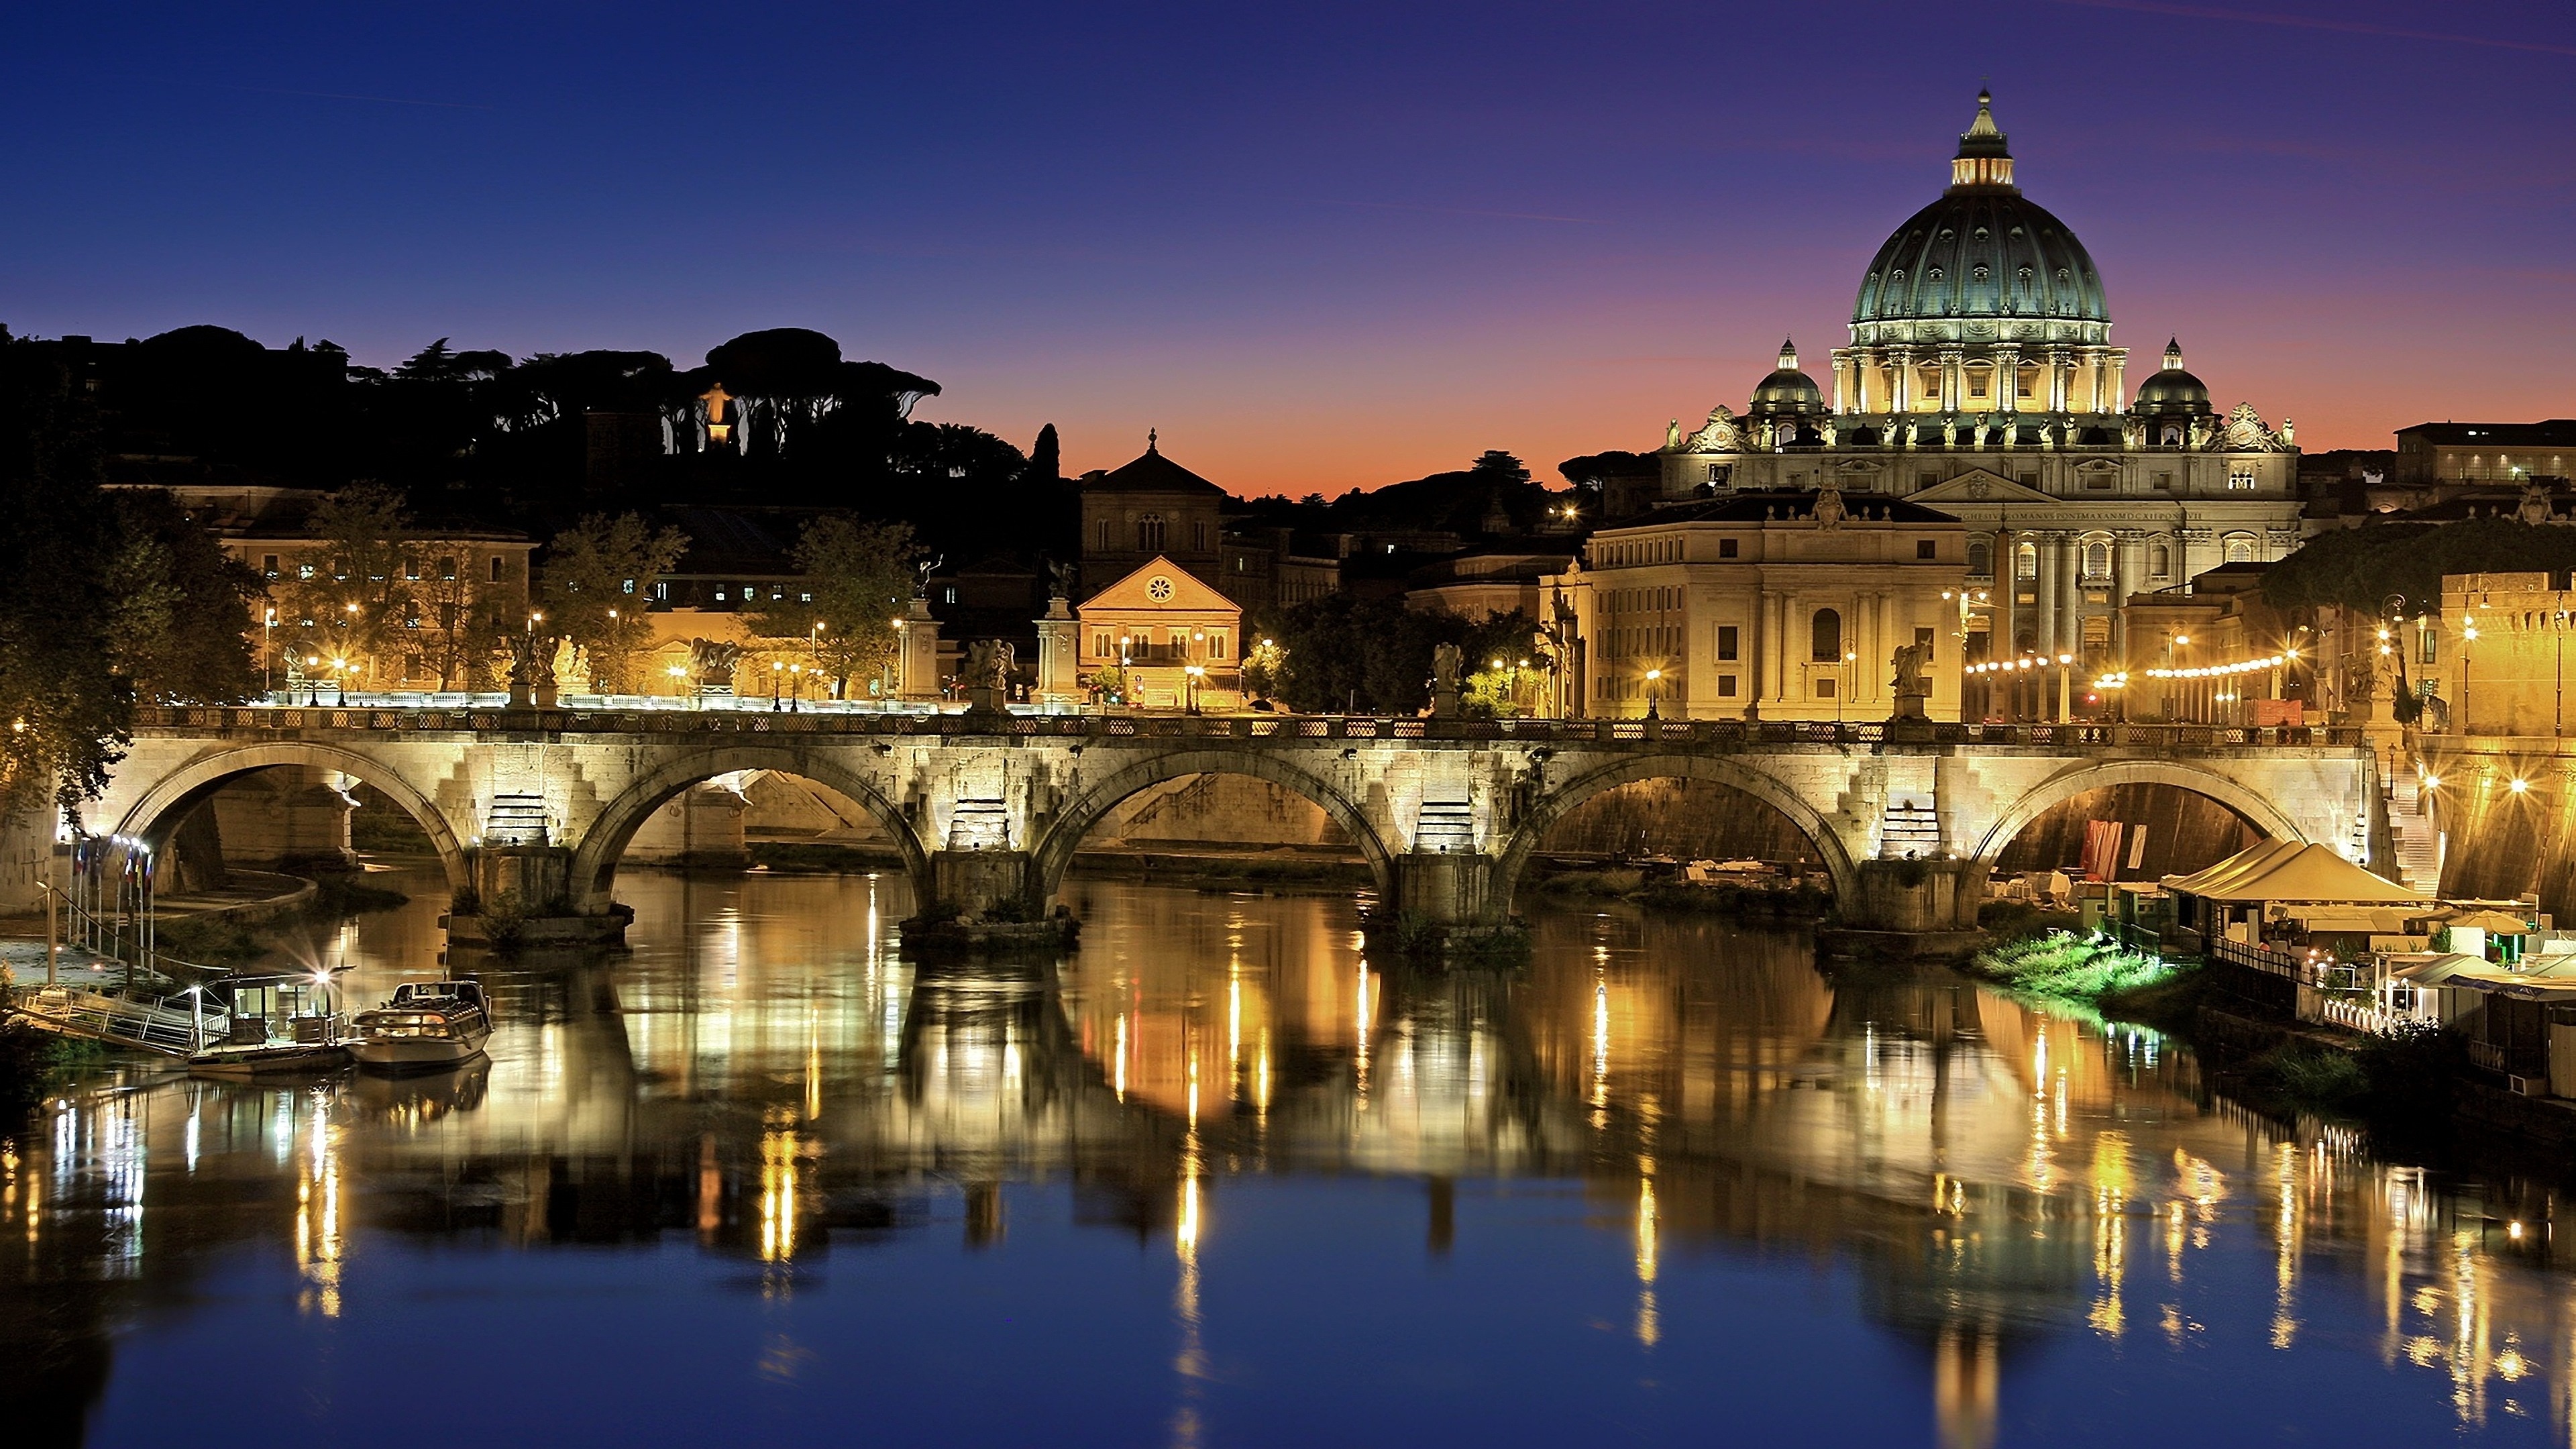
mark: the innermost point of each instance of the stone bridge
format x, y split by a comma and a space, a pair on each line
1906, 817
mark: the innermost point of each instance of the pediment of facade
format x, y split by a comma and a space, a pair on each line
1980, 486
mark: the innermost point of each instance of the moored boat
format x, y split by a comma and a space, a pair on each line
424, 1026
272, 1026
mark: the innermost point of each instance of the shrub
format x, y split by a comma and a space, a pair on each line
2069, 967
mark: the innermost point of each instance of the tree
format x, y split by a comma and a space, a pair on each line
359, 599
1496, 466
1374, 655
859, 576
179, 607
597, 581
68, 711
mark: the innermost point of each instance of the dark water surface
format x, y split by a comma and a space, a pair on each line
1221, 1181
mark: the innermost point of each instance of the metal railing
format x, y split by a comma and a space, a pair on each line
1720, 733
175, 1026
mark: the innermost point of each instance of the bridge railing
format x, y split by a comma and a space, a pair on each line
1255, 726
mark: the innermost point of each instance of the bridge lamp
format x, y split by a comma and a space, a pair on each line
2517, 784
2432, 782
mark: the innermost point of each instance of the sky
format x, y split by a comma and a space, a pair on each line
1320, 246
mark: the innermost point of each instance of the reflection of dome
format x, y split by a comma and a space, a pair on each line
2173, 392
1787, 392
1982, 250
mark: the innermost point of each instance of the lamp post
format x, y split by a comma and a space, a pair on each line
777, 683
1654, 692
268, 653
796, 687
680, 679
2468, 636
1194, 673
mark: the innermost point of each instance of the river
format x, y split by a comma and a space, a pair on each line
1218, 1179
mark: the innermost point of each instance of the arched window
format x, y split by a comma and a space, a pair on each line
2240, 548
1827, 641
1980, 560
1149, 533
2026, 560
2097, 560
2159, 560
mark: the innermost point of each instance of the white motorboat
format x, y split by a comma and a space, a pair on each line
426, 1025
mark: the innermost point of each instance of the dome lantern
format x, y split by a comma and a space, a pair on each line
1984, 162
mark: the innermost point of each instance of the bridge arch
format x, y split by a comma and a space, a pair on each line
593, 874
161, 807
2077, 778
1064, 835
1566, 798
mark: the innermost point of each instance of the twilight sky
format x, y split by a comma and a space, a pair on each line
1318, 246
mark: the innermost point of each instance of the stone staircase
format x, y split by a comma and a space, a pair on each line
2419, 842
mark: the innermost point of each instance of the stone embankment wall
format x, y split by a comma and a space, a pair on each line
2185, 831
1688, 819
2499, 842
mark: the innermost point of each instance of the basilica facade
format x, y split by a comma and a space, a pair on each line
1981, 382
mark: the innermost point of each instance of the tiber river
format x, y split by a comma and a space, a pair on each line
1221, 1180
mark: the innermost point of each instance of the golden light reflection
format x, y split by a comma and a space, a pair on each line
780, 1154
318, 1242
2111, 1187
1649, 1326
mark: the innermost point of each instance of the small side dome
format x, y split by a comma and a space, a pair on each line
2173, 392
1787, 392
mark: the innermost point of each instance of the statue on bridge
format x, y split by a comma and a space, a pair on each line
1912, 684
1446, 659
711, 664
987, 674
532, 669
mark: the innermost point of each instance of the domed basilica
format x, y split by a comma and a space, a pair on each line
1981, 381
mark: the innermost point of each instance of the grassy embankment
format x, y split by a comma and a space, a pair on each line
2404, 1080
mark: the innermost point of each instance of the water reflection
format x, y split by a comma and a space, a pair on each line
766, 1080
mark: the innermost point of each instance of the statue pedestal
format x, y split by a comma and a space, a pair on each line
1909, 707
1444, 702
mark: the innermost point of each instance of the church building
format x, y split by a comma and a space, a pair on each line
1981, 382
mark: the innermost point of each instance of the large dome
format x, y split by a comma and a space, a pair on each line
1981, 251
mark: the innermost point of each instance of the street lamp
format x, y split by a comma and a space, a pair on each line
1654, 691
777, 681
268, 653
1196, 672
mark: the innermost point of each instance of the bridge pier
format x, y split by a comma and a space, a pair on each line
1447, 888
982, 883
523, 897
1907, 908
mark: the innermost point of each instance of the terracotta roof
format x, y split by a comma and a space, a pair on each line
1152, 473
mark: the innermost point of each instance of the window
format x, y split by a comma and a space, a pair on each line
2026, 560
2100, 479
1825, 641
804, 598
1926, 548
1198, 537
1216, 645
1824, 686
268, 565
496, 568
2165, 481
628, 587
411, 572
1729, 547
1726, 686
1980, 560
1104, 535
948, 594
2432, 641
2240, 479
2097, 560
1727, 639
2029, 478
1149, 533
2240, 548
1100, 644
1926, 477
2159, 561
1923, 641
304, 571
720, 596
661, 591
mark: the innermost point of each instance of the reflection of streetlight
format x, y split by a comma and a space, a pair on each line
1654, 691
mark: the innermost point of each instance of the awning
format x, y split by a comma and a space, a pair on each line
2493, 922
2280, 870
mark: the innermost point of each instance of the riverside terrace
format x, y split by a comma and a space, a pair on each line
989, 808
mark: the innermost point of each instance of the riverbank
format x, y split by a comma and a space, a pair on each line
1785, 901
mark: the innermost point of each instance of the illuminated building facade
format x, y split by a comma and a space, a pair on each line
1981, 380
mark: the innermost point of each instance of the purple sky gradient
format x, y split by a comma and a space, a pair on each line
1318, 248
